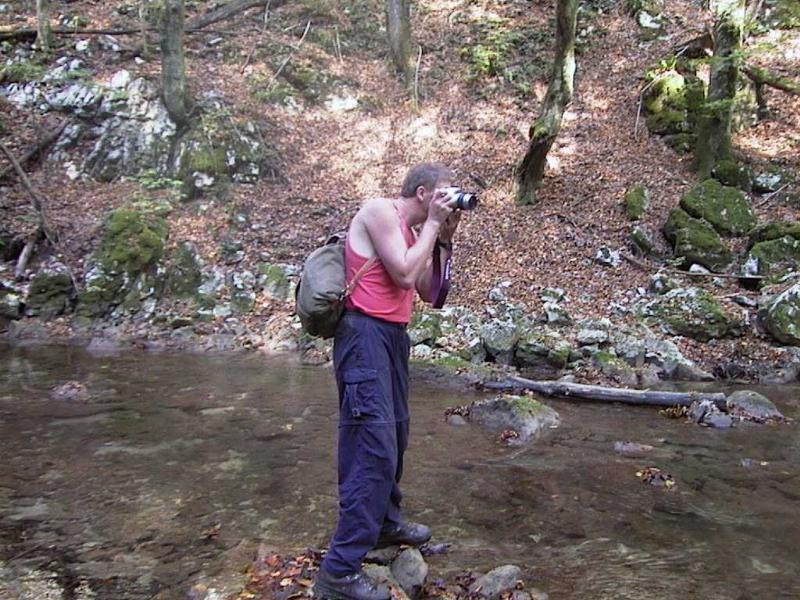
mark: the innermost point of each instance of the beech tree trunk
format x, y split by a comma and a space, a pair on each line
714, 130
173, 70
398, 27
559, 93
44, 34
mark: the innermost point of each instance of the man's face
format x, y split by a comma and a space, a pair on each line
427, 195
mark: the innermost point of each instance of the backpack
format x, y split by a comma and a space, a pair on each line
321, 292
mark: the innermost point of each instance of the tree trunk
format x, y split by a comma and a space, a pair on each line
714, 130
398, 27
173, 70
44, 34
559, 93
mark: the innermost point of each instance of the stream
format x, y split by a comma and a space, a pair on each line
137, 476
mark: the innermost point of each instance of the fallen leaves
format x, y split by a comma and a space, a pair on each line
655, 476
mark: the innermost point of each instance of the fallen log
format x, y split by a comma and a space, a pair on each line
229, 10
562, 389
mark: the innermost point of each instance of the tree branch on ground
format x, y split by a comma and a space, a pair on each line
764, 77
37, 150
562, 389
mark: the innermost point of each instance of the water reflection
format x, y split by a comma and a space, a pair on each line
172, 468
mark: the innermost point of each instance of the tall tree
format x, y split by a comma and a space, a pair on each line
173, 68
43, 32
398, 27
559, 93
714, 135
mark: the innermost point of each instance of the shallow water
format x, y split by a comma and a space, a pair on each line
173, 468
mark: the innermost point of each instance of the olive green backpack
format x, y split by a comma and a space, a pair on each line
320, 295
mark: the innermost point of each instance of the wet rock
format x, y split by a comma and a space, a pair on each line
456, 420
70, 391
707, 413
27, 331
752, 405
632, 449
496, 582
781, 375
410, 570
521, 414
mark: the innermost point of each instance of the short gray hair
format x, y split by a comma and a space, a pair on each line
426, 175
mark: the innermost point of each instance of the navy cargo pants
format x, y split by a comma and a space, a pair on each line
371, 361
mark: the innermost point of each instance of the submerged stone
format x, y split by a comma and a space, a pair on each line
752, 405
522, 414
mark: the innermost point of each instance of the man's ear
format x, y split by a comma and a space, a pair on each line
420, 194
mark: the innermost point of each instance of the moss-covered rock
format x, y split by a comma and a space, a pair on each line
500, 337
614, 367
691, 312
730, 173
774, 256
672, 101
782, 14
696, 241
50, 293
637, 200
133, 244
521, 414
274, 281
184, 274
425, 328
774, 230
781, 316
725, 208
683, 143
543, 349
642, 241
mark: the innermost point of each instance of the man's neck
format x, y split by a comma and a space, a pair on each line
411, 211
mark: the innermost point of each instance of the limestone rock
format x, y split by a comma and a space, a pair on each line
500, 338
781, 316
184, 274
774, 256
424, 328
691, 312
524, 415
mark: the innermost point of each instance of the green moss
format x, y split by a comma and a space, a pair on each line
696, 241
183, 272
22, 72
133, 241
525, 404
774, 230
783, 14
725, 208
636, 202
691, 313
782, 254
729, 173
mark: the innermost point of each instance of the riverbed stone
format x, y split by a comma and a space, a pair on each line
752, 405
496, 582
410, 570
691, 312
522, 414
696, 241
724, 207
781, 316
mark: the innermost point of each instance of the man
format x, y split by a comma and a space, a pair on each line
370, 353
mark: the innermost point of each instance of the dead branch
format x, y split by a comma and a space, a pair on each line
598, 393
764, 77
255, 43
288, 58
227, 11
37, 150
771, 195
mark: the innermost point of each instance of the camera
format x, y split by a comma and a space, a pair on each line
464, 200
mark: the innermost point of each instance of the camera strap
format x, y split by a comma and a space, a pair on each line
440, 277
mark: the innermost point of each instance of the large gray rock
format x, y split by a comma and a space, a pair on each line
691, 312
496, 582
772, 257
752, 405
383, 575
500, 337
50, 293
781, 316
522, 414
725, 208
410, 571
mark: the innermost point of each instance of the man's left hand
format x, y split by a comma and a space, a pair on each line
448, 228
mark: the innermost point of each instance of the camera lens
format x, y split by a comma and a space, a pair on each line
466, 201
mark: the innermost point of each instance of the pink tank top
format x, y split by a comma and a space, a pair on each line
376, 294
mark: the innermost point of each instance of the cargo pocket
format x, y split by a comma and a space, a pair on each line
362, 399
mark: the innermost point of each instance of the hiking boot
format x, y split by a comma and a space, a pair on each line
410, 534
350, 587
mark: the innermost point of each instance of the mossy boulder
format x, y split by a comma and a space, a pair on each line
184, 274
637, 200
691, 312
543, 349
696, 241
500, 337
774, 256
731, 173
672, 100
615, 367
220, 149
275, 282
781, 316
724, 207
642, 240
425, 328
774, 230
133, 245
521, 414
50, 293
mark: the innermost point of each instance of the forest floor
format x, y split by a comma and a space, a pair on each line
471, 116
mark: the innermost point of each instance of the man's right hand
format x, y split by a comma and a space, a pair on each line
440, 207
